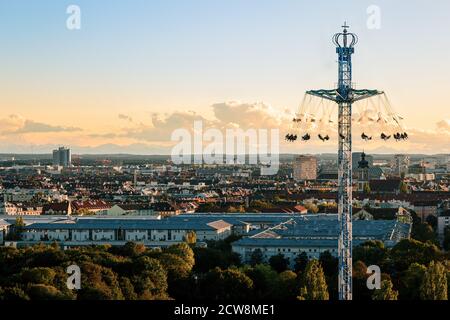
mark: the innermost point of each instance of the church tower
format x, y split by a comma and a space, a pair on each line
363, 173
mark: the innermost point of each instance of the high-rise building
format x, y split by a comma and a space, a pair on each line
62, 157
305, 168
400, 164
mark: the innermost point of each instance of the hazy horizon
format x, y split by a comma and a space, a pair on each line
138, 70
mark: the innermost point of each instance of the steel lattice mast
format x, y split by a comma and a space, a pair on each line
344, 95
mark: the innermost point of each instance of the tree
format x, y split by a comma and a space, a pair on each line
312, 208
225, 285
44, 292
366, 188
257, 257
446, 242
403, 187
408, 251
127, 289
300, 262
328, 263
386, 292
432, 221
209, 258
423, 232
359, 274
176, 267
287, 286
434, 284
149, 279
39, 275
313, 284
265, 281
190, 237
130, 249
184, 251
411, 281
99, 283
13, 294
16, 229
279, 263
370, 252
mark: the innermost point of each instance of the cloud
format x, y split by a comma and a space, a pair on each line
444, 124
227, 115
14, 124
161, 128
125, 117
157, 130
248, 115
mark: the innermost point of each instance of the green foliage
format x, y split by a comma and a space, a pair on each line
256, 257
98, 283
265, 281
39, 275
279, 262
312, 207
45, 292
423, 232
411, 281
107, 273
260, 204
434, 284
329, 263
366, 188
184, 251
386, 292
16, 229
229, 284
370, 252
313, 284
287, 287
446, 242
406, 252
209, 258
360, 290
190, 237
403, 187
13, 294
300, 262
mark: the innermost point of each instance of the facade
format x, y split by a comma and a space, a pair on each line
425, 209
305, 168
443, 222
119, 231
400, 164
57, 208
20, 209
62, 157
4, 229
91, 206
316, 235
130, 210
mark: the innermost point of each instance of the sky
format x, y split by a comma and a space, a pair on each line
137, 70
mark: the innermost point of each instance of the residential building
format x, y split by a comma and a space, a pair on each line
119, 231
305, 168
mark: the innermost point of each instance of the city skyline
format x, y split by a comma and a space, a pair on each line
133, 74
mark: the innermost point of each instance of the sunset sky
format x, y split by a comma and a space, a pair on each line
139, 69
